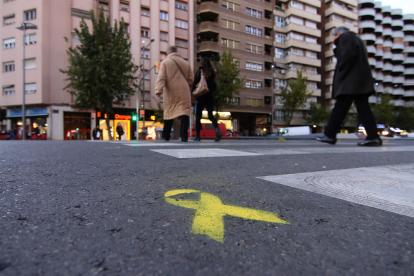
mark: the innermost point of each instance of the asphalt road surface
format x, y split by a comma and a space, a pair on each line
205, 208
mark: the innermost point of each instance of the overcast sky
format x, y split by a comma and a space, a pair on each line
406, 5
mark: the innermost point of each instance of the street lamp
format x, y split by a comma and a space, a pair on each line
25, 26
273, 95
143, 82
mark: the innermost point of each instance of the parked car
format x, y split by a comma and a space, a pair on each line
208, 130
229, 133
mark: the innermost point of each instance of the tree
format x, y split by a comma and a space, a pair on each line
317, 114
404, 118
101, 72
294, 96
228, 81
384, 111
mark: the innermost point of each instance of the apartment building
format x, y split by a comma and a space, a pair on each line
47, 104
246, 28
297, 47
335, 13
389, 37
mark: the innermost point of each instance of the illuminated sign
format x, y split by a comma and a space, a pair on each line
122, 117
208, 219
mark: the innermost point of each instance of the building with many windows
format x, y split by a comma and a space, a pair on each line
47, 104
246, 28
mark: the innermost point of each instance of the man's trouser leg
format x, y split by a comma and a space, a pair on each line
185, 121
366, 116
166, 133
342, 105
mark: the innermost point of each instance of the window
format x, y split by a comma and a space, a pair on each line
311, 9
296, 20
234, 101
257, 49
312, 85
181, 5
30, 88
146, 53
126, 28
145, 96
8, 66
255, 84
9, 20
237, 62
9, 43
145, 11
296, 5
311, 24
280, 83
296, 51
181, 43
253, 30
164, 36
164, 16
124, 6
8, 90
181, 24
311, 54
254, 102
332, 60
5, 1
228, 24
280, 38
312, 70
280, 53
279, 100
295, 36
163, 55
30, 15
30, 63
229, 5
230, 43
253, 13
336, 17
145, 32
103, 6
311, 39
280, 21
279, 114
31, 39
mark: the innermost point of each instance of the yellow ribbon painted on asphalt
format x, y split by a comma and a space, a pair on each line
208, 219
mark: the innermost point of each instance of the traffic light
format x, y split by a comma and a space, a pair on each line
134, 117
157, 66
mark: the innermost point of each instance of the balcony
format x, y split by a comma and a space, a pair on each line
372, 99
379, 88
379, 54
398, 80
311, 77
387, 21
302, 44
387, 56
302, 29
409, 72
378, 6
409, 60
328, 95
379, 77
408, 28
368, 37
372, 62
302, 14
388, 79
371, 50
408, 83
328, 81
329, 53
369, 3
408, 18
388, 67
409, 49
387, 43
367, 13
330, 67
409, 38
397, 58
378, 18
397, 34
397, 24
398, 69
345, 13
409, 93
386, 10
398, 92
387, 33
378, 31
367, 25
409, 104
379, 65
397, 13
398, 47
397, 102
302, 60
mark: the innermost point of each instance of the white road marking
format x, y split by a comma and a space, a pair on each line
201, 153
389, 188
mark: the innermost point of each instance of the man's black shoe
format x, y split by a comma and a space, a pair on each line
326, 139
377, 142
184, 140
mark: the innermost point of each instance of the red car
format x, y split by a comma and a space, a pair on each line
208, 131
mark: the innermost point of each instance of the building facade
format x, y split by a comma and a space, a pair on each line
389, 37
48, 106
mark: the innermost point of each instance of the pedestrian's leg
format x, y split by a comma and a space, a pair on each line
210, 107
199, 115
341, 108
366, 116
166, 133
185, 121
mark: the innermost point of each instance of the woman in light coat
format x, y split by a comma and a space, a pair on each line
174, 81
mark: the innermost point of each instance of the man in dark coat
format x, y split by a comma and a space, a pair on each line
352, 82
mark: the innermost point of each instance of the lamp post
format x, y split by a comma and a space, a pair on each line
143, 79
25, 26
273, 95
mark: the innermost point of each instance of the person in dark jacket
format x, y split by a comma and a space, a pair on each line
120, 131
206, 100
352, 83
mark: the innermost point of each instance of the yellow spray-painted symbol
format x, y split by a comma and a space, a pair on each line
208, 219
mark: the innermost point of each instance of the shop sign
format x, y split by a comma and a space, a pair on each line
38, 111
15, 112
262, 120
122, 117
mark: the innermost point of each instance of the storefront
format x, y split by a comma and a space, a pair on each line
128, 120
36, 123
224, 118
251, 124
77, 125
